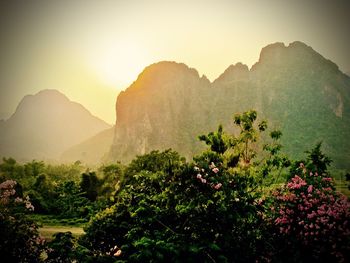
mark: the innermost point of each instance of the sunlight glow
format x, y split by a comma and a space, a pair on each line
118, 64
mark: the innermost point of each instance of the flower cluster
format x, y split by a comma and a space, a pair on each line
115, 251
7, 191
296, 183
313, 212
209, 177
7, 195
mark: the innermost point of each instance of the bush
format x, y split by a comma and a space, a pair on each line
310, 219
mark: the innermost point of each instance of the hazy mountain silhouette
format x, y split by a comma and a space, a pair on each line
46, 124
298, 90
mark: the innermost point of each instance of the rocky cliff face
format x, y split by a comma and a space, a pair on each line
163, 108
298, 90
46, 124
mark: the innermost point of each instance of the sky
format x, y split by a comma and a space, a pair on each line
91, 50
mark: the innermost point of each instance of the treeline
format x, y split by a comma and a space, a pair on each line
239, 201
64, 191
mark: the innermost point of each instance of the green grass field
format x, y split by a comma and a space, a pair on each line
49, 225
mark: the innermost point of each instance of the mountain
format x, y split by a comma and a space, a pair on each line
46, 124
92, 150
163, 108
294, 87
300, 92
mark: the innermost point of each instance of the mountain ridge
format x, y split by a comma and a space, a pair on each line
286, 83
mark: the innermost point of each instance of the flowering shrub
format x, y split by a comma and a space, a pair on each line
309, 213
211, 177
19, 239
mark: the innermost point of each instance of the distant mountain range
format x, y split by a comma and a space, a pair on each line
294, 87
46, 124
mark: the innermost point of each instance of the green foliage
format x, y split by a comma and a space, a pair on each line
34, 168
10, 169
70, 202
207, 212
218, 141
64, 248
62, 190
61, 248
161, 208
154, 161
90, 185
248, 134
316, 161
112, 176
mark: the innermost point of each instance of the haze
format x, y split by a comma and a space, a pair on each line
90, 50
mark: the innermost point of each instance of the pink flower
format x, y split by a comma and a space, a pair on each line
296, 182
203, 181
215, 170
309, 189
218, 186
199, 176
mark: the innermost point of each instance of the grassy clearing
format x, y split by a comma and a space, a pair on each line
49, 225
48, 231
52, 220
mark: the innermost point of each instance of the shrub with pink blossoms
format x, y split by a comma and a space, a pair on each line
210, 177
308, 213
19, 239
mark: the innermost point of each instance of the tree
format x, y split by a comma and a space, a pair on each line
248, 134
10, 169
112, 176
70, 202
90, 185
206, 211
